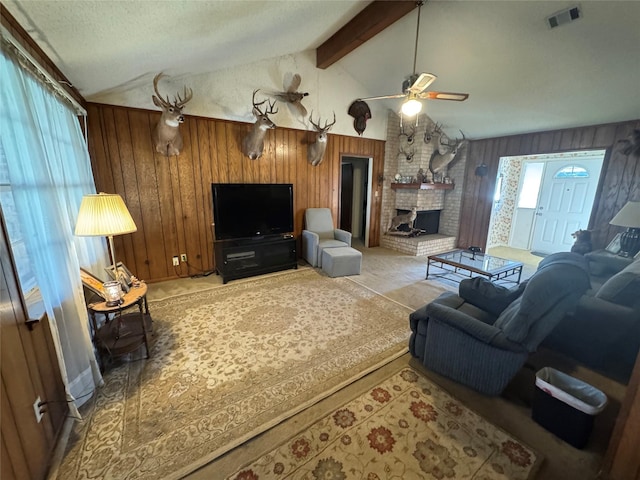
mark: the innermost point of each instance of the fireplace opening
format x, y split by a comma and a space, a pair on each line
427, 222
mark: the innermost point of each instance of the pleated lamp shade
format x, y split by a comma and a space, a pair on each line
104, 214
629, 217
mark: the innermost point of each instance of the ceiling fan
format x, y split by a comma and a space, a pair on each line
414, 87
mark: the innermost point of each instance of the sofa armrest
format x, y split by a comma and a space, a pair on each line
310, 242
596, 310
461, 321
470, 326
342, 235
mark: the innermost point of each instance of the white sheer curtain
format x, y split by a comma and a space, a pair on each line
49, 172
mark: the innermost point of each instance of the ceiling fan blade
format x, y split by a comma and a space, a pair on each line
422, 82
382, 97
458, 97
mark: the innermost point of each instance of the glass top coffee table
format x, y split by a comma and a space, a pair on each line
467, 263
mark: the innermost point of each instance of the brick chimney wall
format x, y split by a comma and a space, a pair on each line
448, 201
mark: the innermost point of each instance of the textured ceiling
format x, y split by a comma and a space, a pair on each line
521, 75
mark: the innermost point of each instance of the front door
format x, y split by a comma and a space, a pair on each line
566, 199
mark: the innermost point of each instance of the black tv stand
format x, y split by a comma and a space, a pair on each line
245, 257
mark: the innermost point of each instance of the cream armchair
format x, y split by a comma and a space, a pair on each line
319, 233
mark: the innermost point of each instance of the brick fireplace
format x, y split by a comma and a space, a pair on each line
426, 197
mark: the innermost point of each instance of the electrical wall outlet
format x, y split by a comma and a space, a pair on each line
176, 262
183, 257
36, 409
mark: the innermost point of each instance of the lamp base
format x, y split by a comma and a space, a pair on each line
630, 242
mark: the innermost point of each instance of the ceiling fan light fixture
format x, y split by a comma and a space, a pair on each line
412, 106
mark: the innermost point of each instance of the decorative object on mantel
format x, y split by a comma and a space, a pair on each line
631, 145
360, 112
253, 143
315, 151
166, 136
629, 216
422, 186
420, 176
445, 151
404, 219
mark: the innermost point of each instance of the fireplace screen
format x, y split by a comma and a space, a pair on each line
427, 222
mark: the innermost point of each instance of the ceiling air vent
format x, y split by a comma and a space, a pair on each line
564, 16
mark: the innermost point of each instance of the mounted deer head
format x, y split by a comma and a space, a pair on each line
315, 151
445, 151
430, 133
407, 155
253, 143
166, 136
409, 132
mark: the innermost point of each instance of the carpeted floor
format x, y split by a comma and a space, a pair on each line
405, 427
401, 278
228, 363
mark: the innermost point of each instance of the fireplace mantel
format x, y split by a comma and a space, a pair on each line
422, 186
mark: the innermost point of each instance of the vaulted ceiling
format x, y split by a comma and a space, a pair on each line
521, 75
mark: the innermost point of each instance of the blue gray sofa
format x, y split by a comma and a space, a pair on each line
484, 335
603, 331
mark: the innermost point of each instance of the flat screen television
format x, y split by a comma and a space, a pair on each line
246, 210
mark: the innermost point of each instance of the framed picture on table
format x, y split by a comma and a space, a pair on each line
92, 282
120, 273
614, 246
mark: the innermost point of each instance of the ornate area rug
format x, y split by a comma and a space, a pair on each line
229, 363
404, 428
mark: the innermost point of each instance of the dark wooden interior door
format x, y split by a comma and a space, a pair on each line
346, 197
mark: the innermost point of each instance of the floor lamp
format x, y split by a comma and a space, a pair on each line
629, 217
104, 215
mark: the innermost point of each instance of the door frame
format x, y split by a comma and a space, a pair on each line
367, 195
545, 157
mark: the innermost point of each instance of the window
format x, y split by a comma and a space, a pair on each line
498, 191
572, 171
531, 182
26, 277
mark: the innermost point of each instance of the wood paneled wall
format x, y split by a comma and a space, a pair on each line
170, 198
619, 181
29, 369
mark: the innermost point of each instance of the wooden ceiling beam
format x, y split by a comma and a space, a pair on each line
375, 17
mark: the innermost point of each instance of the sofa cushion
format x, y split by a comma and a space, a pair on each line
624, 287
489, 296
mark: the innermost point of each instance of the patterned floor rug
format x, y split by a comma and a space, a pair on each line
404, 428
229, 363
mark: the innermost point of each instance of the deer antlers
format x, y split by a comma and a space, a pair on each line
166, 137
315, 152
253, 142
326, 126
271, 111
178, 102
